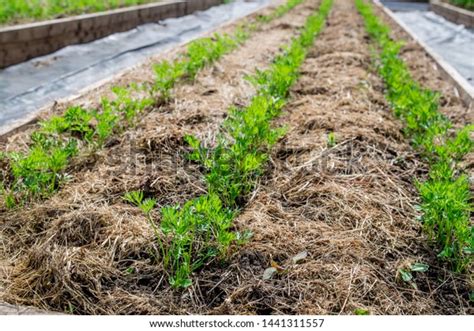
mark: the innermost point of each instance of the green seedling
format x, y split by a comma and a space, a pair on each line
38, 173
361, 311
331, 140
167, 75
126, 106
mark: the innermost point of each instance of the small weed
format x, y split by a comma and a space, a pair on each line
331, 140
361, 311
406, 274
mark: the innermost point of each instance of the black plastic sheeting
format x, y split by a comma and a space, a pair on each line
453, 42
28, 86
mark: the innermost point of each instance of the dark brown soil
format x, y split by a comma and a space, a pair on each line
350, 206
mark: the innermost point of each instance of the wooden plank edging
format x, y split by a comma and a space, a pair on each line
453, 13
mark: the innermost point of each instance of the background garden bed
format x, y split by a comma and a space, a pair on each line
453, 13
22, 42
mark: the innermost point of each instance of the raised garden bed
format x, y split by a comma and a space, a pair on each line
22, 42
453, 13
14, 12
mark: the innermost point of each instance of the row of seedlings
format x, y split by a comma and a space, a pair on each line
445, 195
202, 230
